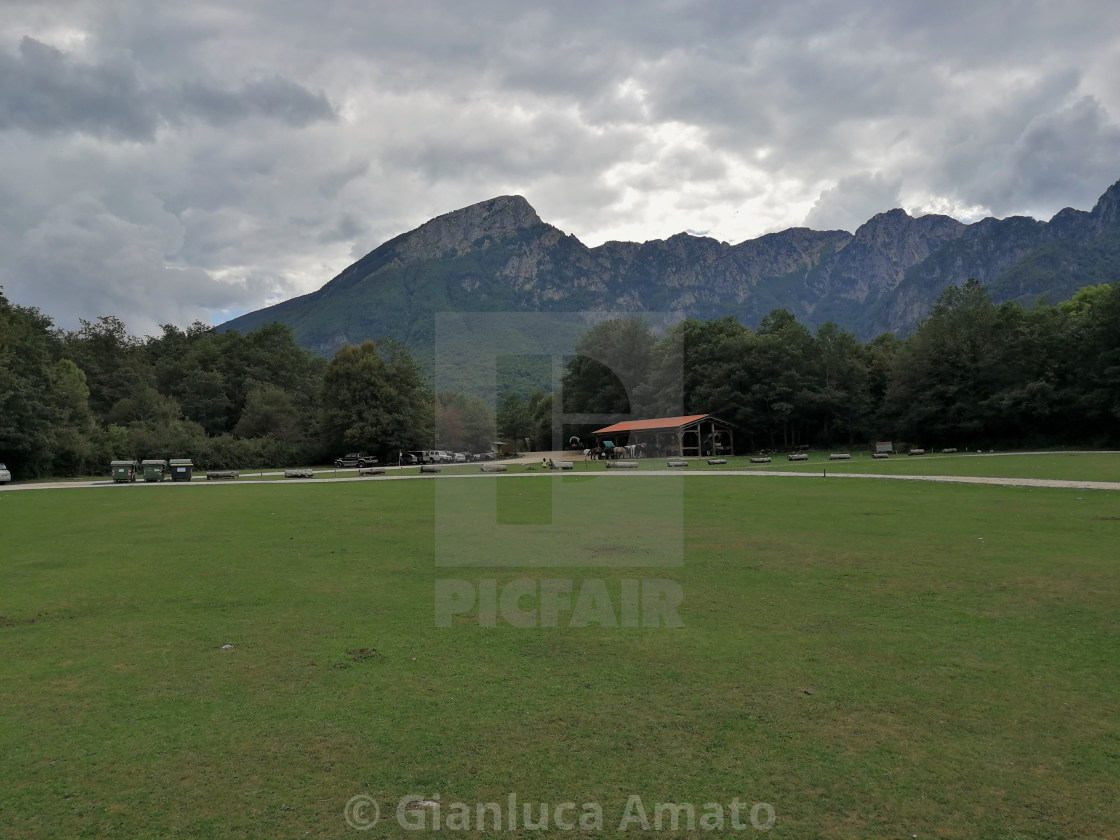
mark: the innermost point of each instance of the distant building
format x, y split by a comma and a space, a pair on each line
691, 435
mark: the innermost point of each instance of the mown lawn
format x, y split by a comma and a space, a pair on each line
872, 660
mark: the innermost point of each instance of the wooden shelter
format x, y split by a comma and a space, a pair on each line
694, 435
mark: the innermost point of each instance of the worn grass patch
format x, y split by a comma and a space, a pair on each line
1097, 466
874, 660
1066, 466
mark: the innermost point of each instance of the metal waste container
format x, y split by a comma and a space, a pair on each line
181, 469
154, 469
124, 471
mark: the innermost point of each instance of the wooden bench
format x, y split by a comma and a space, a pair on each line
299, 473
371, 471
622, 465
715, 461
676, 462
493, 467
839, 456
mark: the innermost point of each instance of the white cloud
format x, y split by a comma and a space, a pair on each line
853, 201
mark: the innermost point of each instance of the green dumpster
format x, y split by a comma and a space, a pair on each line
181, 469
154, 469
124, 471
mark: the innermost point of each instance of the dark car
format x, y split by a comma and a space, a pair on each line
356, 459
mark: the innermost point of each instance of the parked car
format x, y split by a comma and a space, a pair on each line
356, 459
5, 476
459, 457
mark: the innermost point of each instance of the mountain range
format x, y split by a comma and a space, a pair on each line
499, 256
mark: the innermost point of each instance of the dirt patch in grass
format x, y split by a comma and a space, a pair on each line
357, 655
614, 549
15, 622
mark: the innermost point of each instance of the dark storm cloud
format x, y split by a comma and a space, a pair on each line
1068, 155
45, 92
273, 98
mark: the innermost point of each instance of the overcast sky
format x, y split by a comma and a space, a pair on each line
166, 162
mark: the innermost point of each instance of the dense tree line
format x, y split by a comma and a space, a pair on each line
972, 375
72, 401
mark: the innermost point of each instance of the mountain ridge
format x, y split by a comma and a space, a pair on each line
499, 255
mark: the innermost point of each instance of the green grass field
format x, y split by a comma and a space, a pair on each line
874, 660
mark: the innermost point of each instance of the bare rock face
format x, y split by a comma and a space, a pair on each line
454, 234
792, 250
882, 250
1106, 214
1069, 224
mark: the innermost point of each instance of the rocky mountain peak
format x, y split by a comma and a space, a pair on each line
890, 221
1107, 212
454, 233
902, 240
1067, 223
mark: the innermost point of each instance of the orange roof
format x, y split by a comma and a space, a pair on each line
650, 425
